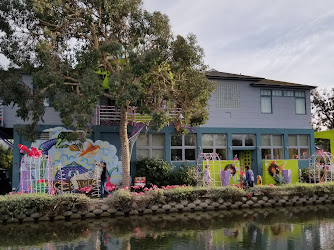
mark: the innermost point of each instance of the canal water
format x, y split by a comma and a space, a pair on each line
276, 228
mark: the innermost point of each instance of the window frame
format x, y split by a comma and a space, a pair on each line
272, 147
183, 147
303, 97
244, 141
150, 146
214, 147
299, 147
266, 95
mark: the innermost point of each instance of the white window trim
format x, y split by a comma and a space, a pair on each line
183, 147
150, 146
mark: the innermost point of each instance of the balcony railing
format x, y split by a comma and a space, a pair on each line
108, 115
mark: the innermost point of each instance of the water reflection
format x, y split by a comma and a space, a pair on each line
284, 228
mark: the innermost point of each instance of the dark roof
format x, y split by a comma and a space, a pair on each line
255, 81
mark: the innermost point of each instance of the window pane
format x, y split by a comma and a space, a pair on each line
265, 92
276, 92
222, 153
158, 153
190, 154
220, 140
305, 153
278, 153
190, 140
293, 153
288, 93
207, 140
300, 106
299, 93
142, 153
250, 140
292, 140
266, 153
303, 140
158, 140
176, 140
236, 140
176, 154
265, 104
277, 140
265, 140
142, 140
207, 150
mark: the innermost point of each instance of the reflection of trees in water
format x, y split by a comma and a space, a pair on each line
210, 230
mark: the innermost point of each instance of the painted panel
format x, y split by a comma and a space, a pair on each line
78, 158
283, 165
215, 171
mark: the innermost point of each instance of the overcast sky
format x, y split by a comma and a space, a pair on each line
286, 40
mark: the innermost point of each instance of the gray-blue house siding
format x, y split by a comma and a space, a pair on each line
238, 114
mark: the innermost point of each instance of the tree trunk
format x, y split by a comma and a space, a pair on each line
123, 133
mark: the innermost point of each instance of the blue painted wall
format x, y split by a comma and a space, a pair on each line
283, 110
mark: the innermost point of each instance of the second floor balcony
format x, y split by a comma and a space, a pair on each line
109, 115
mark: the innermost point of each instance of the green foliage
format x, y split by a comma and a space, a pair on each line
162, 173
300, 189
27, 204
146, 64
6, 157
184, 175
184, 193
230, 193
156, 171
322, 108
305, 177
121, 199
279, 179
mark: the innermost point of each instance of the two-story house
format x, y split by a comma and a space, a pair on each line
250, 118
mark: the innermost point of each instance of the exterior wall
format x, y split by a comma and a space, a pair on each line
51, 117
111, 135
283, 111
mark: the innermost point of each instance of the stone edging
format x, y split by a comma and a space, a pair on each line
100, 209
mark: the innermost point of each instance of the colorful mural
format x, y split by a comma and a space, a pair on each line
217, 166
75, 158
282, 165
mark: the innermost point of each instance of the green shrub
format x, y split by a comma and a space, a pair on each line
12, 206
230, 193
121, 199
184, 175
156, 171
155, 196
300, 189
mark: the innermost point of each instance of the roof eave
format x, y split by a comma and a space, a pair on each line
283, 86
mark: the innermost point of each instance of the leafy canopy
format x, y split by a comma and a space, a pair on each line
322, 106
70, 46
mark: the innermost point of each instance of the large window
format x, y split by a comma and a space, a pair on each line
272, 147
266, 100
299, 147
183, 147
214, 143
151, 145
243, 140
300, 102
266, 106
